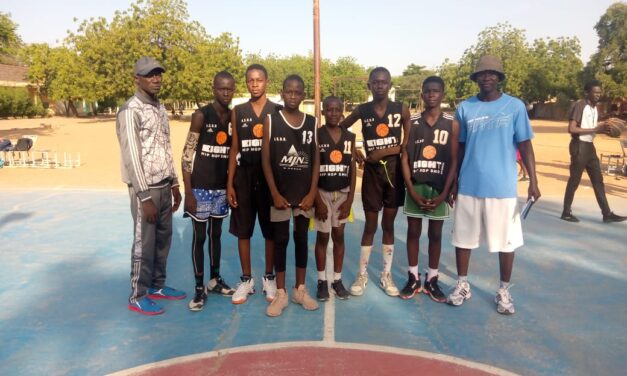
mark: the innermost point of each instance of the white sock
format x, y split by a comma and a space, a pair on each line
463, 278
322, 275
431, 273
337, 276
364, 257
504, 284
414, 270
388, 254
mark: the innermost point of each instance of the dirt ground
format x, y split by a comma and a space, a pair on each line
95, 140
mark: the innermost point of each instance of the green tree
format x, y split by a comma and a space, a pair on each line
409, 85
554, 70
157, 28
10, 41
348, 80
609, 63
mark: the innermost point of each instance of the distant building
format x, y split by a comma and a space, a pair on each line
16, 76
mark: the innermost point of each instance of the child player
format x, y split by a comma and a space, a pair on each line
204, 165
291, 164
336, 190
382, 124
429, 162
247, 191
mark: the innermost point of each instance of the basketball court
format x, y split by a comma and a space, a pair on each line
64, 281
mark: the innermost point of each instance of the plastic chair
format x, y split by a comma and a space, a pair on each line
616, 162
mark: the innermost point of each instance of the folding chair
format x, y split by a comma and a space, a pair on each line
616, 162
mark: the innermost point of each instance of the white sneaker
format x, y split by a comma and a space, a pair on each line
460, 293
269, 286
244, 288
387, 284
359, 286
504, 301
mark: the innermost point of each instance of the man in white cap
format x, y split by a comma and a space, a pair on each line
148, 170
493, 125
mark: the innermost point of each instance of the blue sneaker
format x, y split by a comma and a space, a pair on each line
146, 306
166, 293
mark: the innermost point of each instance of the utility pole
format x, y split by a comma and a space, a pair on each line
316, 19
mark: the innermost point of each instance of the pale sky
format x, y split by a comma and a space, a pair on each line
389, 33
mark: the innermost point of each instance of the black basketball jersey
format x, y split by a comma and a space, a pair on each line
292, 151
335, 159
250, 131
428, 150
211, 162
381, 132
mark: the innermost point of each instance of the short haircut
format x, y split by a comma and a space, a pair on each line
332, 98
434, 79
590, 84
294, 77
258, 67
377, 70
223, 74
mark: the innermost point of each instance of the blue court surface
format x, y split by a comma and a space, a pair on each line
64, 281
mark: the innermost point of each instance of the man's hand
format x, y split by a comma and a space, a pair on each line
231, 196
280, 202
307, 202
359, 157
344, 209
321, 212
431, 204
419, 200
452, 195
533, 191
176, 196
190, 203
149, 211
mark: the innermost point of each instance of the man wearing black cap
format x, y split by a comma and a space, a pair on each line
493, 125
148, 170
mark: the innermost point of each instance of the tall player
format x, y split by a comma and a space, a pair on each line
429, 162
291, 164
205, 165
382, 125
247, 190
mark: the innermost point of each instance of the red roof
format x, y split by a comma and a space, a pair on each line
13, 73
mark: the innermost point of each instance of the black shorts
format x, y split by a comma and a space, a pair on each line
376, 190
253, 199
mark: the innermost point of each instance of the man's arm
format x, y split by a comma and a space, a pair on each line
189, 151
345, 208
308, 201
130, 146
279, 201
350, 119
529, 159
451, 176
231, 196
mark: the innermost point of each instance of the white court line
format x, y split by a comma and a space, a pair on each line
328, 334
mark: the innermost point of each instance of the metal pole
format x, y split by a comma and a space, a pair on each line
316, 17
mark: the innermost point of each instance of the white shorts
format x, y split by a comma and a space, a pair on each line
494, 221
332, 200
277, 215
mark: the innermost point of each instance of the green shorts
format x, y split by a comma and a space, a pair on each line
411, 209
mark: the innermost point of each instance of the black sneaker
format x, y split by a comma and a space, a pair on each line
198, 302
323, 291
613, 218
218, 286
433, 290
340, 291
411, 288
569, 217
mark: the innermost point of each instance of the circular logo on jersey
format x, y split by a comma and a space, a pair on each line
382, 130
429, 152
221, 138
258, 130
336, 156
